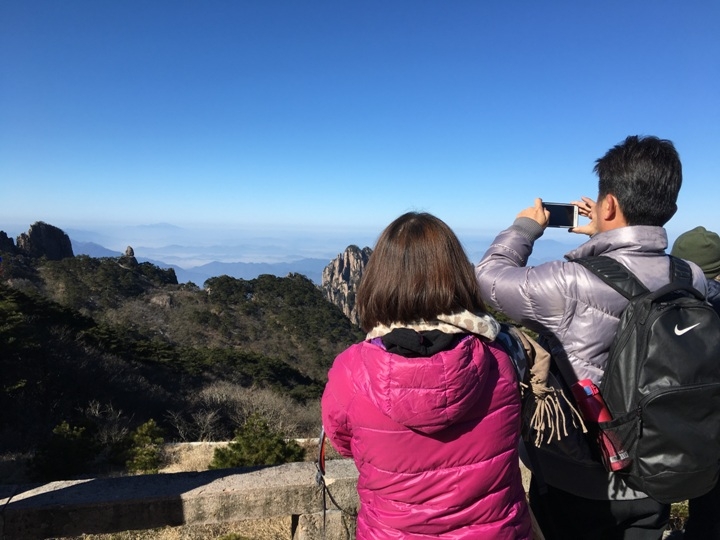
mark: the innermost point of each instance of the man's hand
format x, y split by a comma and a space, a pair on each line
586, 208
537, 213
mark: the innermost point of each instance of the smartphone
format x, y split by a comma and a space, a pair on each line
562, 215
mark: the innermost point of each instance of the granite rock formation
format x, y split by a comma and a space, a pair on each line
341, 277
6, 243
43, 240
128, 260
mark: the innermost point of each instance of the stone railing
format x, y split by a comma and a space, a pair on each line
268, 503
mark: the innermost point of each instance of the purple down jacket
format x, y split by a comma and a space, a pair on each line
434, 440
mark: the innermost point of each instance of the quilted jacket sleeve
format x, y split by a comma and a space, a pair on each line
335, 403
713, 294
533, 296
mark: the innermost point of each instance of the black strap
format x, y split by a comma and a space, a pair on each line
680, 271
320, 477
614, 274
320, 480
617, 276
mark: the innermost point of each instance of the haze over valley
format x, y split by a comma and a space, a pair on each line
197, 254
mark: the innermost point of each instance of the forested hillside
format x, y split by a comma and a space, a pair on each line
105, 344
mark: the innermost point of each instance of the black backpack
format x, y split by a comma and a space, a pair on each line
662, 383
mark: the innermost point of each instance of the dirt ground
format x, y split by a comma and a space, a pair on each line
189, 457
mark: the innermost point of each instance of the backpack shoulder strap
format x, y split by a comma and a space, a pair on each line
680, 271
616, 275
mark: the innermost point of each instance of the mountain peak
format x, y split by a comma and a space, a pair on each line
44, 240
340, 279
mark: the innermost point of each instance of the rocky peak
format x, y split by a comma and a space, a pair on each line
43, 240
6, 243
341, 277
128, 260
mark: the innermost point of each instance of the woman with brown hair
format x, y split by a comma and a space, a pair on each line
428, 405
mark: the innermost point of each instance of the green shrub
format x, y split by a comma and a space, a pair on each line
146, 449
256, 444
69, 452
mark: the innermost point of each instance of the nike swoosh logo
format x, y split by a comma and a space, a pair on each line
679, 332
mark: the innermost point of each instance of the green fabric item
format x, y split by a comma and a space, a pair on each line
702, 247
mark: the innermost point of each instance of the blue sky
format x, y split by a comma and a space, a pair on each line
334, 117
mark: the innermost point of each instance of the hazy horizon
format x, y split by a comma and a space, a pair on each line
190, 248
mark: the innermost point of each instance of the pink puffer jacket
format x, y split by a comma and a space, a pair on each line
434, 440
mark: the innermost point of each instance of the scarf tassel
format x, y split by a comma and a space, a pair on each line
548, 419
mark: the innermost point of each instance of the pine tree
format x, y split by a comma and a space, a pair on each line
256, 444
146, 450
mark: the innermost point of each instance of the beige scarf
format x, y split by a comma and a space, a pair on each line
462, 322
548, 419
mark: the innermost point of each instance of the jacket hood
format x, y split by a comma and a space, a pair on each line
427, 394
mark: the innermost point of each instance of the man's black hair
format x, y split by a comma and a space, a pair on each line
645, 175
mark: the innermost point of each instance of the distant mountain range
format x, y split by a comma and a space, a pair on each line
311, 268
545, 249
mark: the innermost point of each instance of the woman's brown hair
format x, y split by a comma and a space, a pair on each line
418, 270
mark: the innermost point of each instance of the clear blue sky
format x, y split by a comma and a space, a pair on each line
336, 114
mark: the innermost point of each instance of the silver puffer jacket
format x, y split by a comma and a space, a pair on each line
576, 313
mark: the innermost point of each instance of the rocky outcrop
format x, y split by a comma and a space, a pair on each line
341, 277
6, 243
128, 260
43, 240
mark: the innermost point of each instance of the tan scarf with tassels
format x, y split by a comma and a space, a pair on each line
548, 417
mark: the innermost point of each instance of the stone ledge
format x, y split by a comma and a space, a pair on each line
107, 505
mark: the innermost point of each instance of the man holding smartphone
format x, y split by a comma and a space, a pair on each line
576, 315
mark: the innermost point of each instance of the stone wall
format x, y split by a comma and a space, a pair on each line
263, 504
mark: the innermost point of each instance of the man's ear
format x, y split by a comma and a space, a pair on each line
611, 213
605, 208
612, 208
608, 215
